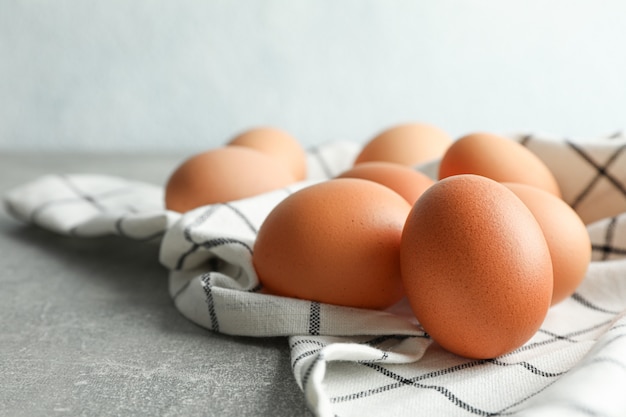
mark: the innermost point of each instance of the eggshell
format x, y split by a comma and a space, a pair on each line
334, 242
406, 144
406, 181
498, 158
223, 174
277, 143
476, 267
566, 235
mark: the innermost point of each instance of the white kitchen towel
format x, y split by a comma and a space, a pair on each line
354, 362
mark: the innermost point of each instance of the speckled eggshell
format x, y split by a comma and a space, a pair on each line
476, 267
223, 174
498, 158
404, 180
334, 242
407, 144
278, 144
566, 235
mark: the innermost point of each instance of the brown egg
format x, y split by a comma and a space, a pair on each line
277, 143
223, 174
404, 180
406, 144
476, 267
498, 158
334, 242
566, 235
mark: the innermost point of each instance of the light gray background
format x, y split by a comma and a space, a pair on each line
186, 75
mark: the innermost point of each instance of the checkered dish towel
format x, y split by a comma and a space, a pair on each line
354, 362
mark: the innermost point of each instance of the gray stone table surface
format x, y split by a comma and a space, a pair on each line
87, 326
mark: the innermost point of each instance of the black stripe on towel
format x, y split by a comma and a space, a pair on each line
314, 319
210, 244
449, 395
579, 298
602, 172
242, 216
206, 285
